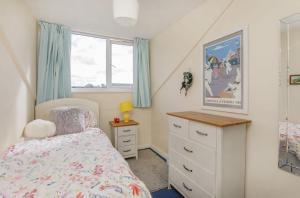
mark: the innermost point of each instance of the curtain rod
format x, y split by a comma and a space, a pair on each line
91, 34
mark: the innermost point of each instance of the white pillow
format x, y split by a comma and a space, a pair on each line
39, 129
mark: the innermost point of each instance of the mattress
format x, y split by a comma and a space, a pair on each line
76, 165
290, 135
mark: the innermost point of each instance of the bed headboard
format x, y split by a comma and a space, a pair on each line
42, 110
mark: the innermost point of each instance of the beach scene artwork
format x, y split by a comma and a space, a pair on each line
223, 72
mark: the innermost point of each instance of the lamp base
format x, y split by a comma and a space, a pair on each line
126, 117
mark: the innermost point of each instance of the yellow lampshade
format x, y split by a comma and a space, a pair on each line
126, 106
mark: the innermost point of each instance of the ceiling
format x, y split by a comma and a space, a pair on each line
96, 16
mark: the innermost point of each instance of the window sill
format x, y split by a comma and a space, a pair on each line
103, 90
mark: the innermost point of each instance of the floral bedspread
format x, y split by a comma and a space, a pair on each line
290, 134
77, 165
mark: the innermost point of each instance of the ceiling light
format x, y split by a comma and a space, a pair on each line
126, 12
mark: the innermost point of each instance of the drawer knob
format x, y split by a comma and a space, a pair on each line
201, 133
126, 141
177, 126
187, 188
187, 150
187, 169
127, 130
126, 151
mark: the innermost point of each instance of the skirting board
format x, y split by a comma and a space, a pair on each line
155, 149
146, 146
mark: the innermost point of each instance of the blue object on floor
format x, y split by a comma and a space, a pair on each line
166, 193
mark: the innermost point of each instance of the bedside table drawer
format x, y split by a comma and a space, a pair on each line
126, 130
127, 150
126, 140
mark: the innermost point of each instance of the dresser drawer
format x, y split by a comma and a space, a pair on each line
203, 133
127, 150
126, 140
127, 130
178, 126
185, 185
191, 170
204, 156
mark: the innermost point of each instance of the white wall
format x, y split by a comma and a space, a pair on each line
294, 68
17, 69
109, 108
263, 179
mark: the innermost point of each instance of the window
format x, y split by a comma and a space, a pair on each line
101, 63
122, 64
88, 62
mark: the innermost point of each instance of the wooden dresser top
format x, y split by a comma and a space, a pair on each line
122, 123
219, 121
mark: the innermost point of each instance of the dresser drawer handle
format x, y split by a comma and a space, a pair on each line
126, 151
201, 133
189, 189
190, 151
190, 170
127, 130
126, 141
177, 126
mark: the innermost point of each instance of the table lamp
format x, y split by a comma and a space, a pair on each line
125, 108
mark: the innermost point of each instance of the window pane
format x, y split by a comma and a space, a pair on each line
88, 62
122, 64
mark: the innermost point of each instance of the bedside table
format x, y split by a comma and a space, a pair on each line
124, 138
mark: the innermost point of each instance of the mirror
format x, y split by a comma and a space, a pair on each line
289, 95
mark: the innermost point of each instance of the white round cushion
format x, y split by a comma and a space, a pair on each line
39, 129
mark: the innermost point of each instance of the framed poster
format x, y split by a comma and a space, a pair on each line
225, 80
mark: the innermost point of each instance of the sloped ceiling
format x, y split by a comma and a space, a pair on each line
96, 16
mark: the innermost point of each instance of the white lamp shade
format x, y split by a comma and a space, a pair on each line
126, 12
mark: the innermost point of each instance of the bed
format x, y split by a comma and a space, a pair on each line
290, 137
75, 165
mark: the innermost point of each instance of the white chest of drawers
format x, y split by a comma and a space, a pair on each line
125, 138
207, 155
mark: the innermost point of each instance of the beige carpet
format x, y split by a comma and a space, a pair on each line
151, 169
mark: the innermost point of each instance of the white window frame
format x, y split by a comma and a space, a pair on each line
109, 86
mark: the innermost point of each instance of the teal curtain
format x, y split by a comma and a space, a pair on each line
53, 72
141, 73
